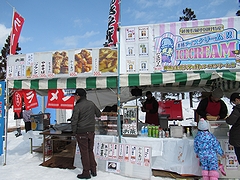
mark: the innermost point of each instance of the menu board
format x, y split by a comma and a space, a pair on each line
63, 63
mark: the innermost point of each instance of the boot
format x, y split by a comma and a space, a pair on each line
214, 175
205, 175
84, 175
18, 132
94, 173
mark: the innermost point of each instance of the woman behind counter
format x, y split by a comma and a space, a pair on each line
213, 105
150, 106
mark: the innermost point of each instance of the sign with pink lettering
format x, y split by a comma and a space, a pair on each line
186, 45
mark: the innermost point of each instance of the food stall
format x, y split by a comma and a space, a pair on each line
143, 64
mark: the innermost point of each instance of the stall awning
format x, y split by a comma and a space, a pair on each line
65, 83
174, 79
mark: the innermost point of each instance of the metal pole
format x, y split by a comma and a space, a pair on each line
118, 79
6, 122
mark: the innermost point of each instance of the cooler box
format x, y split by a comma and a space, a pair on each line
40, 122
171, 107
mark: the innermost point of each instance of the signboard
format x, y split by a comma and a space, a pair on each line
64, 63
2, 114
177, 46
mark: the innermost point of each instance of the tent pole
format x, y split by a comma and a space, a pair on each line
6, 122
118, 79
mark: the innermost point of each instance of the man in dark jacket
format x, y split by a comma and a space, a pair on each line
150, 106
213, 105
83, 126
234, 120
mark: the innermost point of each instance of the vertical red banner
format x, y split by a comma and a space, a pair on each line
113, 20
17, 24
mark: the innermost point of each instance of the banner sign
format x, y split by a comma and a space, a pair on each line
65, 63
187, 45
2, 114
17, 24
29, 97
58, 100
113, 19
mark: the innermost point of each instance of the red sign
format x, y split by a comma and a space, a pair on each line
30, 99
57, 100
17, 102
17, 24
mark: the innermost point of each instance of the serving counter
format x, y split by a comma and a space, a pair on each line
168, 154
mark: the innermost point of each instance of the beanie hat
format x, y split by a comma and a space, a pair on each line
203, 125
217, 93
234, 96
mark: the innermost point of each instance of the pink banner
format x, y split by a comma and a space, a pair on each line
17, 24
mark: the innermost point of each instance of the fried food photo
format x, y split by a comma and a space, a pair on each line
83, 61
60, 62
107, 60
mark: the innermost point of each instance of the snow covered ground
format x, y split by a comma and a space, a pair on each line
22, 165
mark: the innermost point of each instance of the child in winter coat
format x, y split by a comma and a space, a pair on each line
206, 146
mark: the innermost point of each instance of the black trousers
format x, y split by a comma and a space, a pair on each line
85, 144
28, 126
237, 152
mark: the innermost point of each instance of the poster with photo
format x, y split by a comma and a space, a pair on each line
143, 33
130, 50
143, 49
130, 34
143, 66
113, 166
131, 66
29, 64
231, 161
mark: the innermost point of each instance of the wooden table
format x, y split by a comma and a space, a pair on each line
50, 139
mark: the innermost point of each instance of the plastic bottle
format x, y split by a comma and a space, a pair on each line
149, 131
143, 131
146, 131
160, 132
156, 131
188, 132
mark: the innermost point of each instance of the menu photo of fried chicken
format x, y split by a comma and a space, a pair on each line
83, 61
60, 62
107, 60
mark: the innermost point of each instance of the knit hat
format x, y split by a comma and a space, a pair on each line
234, 96
217, 93
203, 125
80, 92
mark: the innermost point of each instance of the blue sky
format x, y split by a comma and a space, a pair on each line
68, 24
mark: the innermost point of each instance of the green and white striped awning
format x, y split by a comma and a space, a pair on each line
174, 79
65, 83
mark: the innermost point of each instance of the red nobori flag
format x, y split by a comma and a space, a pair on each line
57, 100
17, 102
17, 24
30, 99
113, 19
